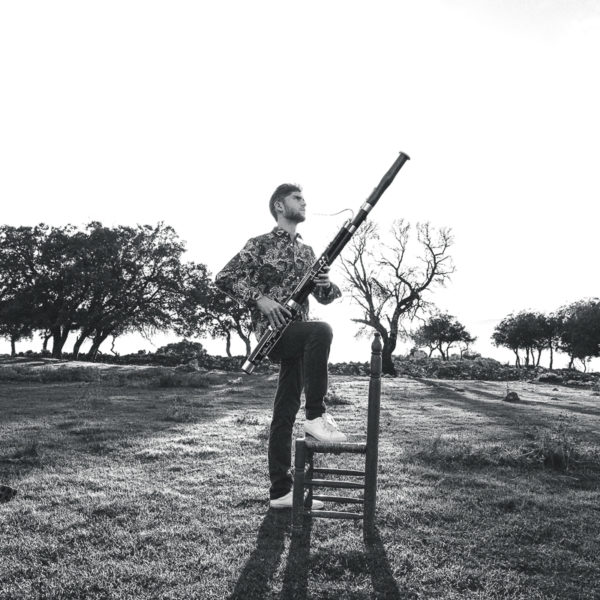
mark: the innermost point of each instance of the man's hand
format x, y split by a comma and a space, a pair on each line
276, 314
322, 279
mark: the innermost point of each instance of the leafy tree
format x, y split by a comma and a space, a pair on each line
184, 351
140, 282
206, 310
529, 331
440, 332
580, 330
15, 306
549, 334
99, 281
43, 264
14, 323
507, 334
386, 289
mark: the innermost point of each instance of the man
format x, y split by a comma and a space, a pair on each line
263, 276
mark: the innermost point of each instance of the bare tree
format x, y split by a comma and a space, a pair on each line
385, 287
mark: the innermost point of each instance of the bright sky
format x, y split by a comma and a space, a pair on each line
192, 113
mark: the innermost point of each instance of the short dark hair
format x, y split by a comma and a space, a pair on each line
282, 191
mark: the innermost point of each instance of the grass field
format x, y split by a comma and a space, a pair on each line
141, 491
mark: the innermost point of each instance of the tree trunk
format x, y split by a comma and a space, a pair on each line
96, 343
387, 364
77, 346
59, 337
551, 357
228, 343
13, 346
517, 361
244, 339
389, 345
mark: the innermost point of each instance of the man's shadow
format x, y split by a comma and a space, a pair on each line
256, 579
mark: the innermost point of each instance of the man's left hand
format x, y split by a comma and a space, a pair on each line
322, 279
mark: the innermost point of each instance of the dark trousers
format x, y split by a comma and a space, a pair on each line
303, 352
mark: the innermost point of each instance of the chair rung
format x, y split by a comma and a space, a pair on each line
334, 447
339, 472
334, 484
346, 499
334, 514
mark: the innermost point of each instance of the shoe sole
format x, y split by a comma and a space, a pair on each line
284, 506
329, 440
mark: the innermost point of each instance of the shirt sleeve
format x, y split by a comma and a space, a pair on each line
238, 279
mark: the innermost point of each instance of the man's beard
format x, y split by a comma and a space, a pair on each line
294, 215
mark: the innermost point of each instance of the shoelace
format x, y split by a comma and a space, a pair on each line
329, 422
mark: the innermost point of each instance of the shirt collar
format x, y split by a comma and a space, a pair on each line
281, 232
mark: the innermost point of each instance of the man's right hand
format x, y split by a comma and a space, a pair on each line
276, 314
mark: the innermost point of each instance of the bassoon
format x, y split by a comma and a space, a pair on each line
271, 336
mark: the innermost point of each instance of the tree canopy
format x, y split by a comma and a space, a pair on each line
440, 332
94, 281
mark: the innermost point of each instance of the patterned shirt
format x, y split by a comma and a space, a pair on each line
271, 265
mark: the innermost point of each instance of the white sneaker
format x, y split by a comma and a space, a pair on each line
324, 429
287, 500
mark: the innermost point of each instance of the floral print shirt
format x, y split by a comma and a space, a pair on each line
271, 265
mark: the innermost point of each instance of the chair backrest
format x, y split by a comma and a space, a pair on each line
374, 394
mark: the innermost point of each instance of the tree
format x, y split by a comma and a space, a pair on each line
529, 331
183, 351
549, 328
207, 310
440, 332
15, 308
580, 330
99, 281
388, 290
505, 334
14, 323
42, 263
140, 282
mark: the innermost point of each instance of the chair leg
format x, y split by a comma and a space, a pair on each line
309, 458
298, 495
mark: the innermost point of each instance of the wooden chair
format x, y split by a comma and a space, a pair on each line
306, 474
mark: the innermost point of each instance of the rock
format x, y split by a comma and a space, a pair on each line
578, 383
189, 367
7, 493
512, 397
549, 378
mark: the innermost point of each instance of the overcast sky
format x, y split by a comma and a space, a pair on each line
192, 113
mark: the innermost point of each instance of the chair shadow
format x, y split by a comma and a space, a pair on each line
382, 576
255, 581
373, 561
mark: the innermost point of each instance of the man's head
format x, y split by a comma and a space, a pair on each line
287, 202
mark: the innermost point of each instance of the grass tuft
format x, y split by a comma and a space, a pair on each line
335, 398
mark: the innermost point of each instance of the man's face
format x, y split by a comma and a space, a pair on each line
294, 207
